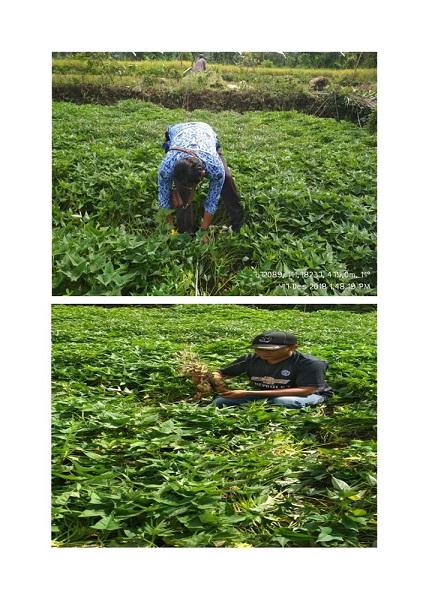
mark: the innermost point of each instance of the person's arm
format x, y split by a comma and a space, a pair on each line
311, 373
304, 391
165, 182
216, 174
206, 220
238, 367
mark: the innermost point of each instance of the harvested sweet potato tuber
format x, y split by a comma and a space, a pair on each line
204, 380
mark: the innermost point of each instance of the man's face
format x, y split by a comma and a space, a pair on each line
275, 356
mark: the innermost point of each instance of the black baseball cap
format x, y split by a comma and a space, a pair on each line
273, 340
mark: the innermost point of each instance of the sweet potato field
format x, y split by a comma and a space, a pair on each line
138, 463
308, 185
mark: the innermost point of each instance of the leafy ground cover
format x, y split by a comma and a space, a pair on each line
136, 464
308, 185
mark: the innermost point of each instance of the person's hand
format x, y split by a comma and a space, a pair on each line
202, 233
217, 382
170, 223
235, 393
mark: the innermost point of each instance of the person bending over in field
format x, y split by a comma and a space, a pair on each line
193, 153
278, 372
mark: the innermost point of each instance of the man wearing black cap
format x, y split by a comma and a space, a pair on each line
279, 373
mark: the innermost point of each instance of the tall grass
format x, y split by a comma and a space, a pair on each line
174, 71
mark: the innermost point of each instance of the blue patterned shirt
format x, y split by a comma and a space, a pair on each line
201, 138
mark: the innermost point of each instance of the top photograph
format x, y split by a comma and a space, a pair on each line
214, 173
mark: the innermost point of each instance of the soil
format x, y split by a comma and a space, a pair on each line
324, 104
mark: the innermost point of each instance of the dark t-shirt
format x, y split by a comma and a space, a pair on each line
297, 371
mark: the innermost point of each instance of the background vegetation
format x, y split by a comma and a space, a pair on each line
244, 82
304, 59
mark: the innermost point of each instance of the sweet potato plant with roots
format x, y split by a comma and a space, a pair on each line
205, 381
142, 458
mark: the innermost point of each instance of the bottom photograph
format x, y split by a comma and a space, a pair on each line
214, 426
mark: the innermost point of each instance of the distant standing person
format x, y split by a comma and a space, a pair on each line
193, 152
278, 373
200, 64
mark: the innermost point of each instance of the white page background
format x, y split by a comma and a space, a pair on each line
34, 572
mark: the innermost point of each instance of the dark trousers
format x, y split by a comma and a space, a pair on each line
230, 197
